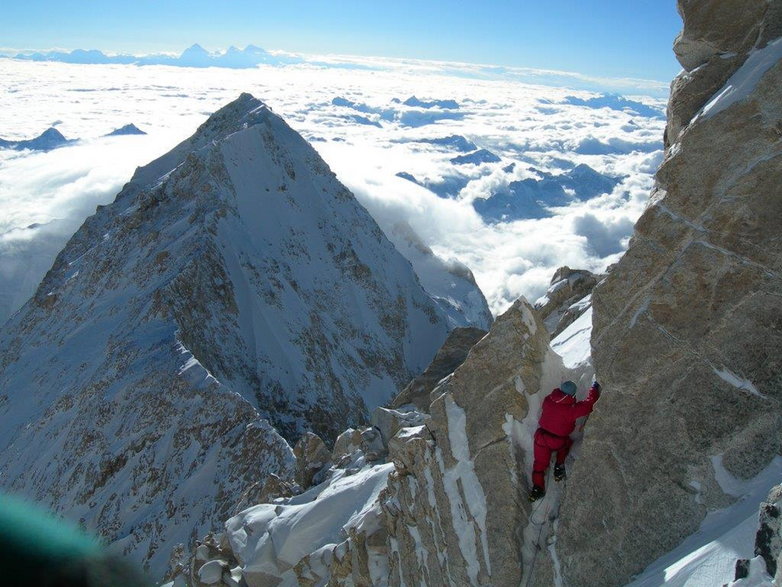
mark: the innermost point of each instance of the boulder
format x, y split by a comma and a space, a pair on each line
768, 545
346, 444
389, 421
266, 491
372, 444
312, 457
559, 307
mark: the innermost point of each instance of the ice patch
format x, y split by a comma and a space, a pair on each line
743, 384
743, 82
529, 320
474, 503
573, 344
708, 556
643, 308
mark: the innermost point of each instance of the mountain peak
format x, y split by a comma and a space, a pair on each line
233, 294
244, 112
50, 134
195, 48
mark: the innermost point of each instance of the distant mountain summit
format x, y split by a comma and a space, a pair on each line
128, 129
49, 139
233, 293
193, 56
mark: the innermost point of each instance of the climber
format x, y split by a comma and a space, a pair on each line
557, 422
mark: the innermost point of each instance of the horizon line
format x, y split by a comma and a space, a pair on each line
659, 88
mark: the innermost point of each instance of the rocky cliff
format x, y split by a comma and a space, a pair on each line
687, 334
233, 292
442, 502
765, 569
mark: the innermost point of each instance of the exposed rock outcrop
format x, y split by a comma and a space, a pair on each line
717, 38
687, 335
448, 358
767, 564
312, 457
450, 506
455, 505
564, 301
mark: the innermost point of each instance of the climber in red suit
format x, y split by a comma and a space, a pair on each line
557, 422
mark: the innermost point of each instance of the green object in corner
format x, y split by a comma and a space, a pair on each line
34, 542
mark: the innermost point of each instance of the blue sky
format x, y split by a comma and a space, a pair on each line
616, 38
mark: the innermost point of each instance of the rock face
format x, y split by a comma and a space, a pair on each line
717, 38
461, 484
137, 385
449, 507
768, 545
455, 507
687, 336
448, 358
564, 300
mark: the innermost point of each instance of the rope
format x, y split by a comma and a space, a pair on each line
537, 540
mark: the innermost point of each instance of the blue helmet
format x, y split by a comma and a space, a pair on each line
568, 387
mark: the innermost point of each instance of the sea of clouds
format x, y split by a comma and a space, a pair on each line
356, 117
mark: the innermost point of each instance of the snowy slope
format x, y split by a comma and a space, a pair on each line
709, 556
269, 539
450, 283
233, 281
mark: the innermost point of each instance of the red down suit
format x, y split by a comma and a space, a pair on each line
557, 422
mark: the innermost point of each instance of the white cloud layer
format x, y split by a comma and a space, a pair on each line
367, 138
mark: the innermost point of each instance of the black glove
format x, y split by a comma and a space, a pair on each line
596, 386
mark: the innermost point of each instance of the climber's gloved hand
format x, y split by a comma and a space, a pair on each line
596, 386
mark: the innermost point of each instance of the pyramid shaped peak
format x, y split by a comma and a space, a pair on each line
244, 112
51, 133
195, 48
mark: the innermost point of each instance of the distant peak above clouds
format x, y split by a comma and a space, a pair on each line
193, 56
49, 139
128, 129
52, 138
616, 102
252, 56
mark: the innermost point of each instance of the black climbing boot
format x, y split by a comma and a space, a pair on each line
536, 493
559, 472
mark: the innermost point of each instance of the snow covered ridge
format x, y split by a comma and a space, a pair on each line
233, 291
